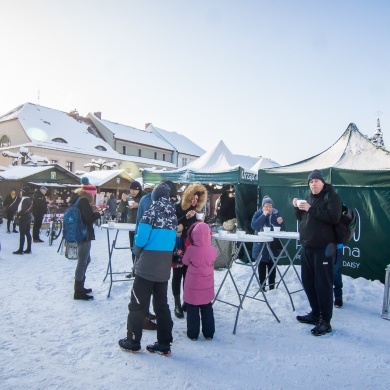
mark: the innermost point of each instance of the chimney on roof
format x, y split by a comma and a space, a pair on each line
146, 125
98, 114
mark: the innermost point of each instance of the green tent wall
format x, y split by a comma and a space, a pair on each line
368, 192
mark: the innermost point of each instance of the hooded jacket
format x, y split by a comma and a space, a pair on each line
199, 257
185, 205
155, 240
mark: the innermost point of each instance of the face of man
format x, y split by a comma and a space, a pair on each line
134, 192
43, 191
316, 186
13, 193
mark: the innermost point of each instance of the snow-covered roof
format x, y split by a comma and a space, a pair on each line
179, 142
132, 134
19, 172
246, 162
43, 125
99, 178
351, 151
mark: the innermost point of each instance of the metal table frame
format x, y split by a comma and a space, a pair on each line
128, 227
254, 266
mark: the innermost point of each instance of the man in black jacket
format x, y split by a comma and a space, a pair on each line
317, 216
39, 210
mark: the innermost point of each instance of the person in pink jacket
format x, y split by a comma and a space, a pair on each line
199, 282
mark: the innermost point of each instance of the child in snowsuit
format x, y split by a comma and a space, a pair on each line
199, 282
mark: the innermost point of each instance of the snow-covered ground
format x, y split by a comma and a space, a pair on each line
50, 341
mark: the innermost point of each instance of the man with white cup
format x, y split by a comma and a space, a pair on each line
317, 217
266, 219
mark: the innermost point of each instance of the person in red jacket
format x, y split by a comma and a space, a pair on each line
199, 257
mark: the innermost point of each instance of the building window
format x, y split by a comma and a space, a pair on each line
69, 166
59, 140
100, 147
53, 161
123, 149
163, 156
139, 152
184, 161
4, 142
155, 155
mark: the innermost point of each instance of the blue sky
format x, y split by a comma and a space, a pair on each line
281, 79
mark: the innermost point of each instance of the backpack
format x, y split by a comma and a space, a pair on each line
74, 227
345, 228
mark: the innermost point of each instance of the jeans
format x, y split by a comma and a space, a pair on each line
337, 278
83, 260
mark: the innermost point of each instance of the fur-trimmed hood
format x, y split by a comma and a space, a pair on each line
190, 191
82, 194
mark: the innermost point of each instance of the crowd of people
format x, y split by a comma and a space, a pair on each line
171, 241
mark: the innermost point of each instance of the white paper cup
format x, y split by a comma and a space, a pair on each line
266, 229
276, 228
300, 201
199, 215
131, 202
111, 223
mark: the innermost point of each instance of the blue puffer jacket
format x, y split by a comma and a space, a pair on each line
259, 220
155, 241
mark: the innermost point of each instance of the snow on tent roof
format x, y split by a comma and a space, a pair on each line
264, 163
351, 151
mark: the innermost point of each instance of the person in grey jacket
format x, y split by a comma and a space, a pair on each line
112, 206
317, 217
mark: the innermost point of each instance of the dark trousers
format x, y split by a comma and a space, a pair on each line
178, 274
317, 280
24, 232
263, 266
196, 314
38, 218
139, 308
10, 217
131, 239
338, 279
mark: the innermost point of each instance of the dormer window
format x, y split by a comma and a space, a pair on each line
59, 140
100, 147
4, 142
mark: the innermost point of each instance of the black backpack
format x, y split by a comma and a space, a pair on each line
346, 227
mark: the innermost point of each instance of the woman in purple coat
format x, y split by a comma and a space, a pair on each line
199, 282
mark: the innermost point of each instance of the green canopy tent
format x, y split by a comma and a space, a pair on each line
218, 166
360, 173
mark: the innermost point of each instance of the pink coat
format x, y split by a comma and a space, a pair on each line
199, 257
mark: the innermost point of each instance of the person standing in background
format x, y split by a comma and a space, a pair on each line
122, 208
111, 204
11, 203
24, 213
39, 210
317, 217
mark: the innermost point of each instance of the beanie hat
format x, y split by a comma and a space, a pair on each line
87, 186
267, 199
43, 188
26, 191
316, 174
135, 185
84, 180
172, 188
161, 191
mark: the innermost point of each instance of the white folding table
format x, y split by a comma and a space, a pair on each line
115, 229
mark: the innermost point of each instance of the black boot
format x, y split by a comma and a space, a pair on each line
178, 309
87, 290
18, 252
79, 293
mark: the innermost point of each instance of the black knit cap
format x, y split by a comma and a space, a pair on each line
135, 185
316, 174
172, 187
161, 191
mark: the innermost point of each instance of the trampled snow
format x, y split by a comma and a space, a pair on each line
50, 341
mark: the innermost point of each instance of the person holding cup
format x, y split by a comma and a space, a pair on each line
263, 219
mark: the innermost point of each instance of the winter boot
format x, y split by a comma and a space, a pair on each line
178, 308
87, 290
79, 293
162, 349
